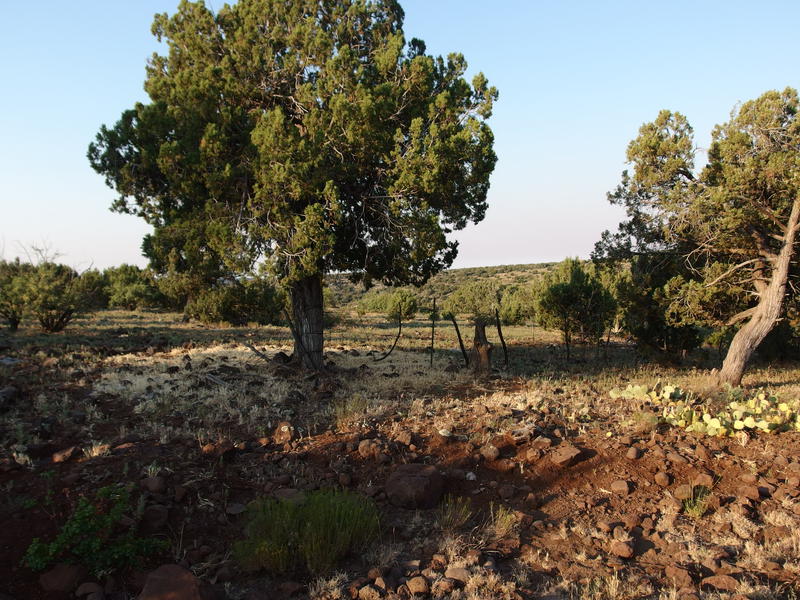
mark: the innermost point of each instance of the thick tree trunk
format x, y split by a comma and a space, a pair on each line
767, 311
481, 351
307, 327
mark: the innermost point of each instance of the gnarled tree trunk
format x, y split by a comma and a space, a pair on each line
481, 351
766, 313
307, 326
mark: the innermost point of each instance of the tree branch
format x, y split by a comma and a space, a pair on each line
733, 269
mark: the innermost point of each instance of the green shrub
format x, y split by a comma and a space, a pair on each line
92, 537
212, 306
131, 288
402, 305
255, 300
95, 289
517, 305
454, 513
575, 302
315, 534
12, 291
55, 294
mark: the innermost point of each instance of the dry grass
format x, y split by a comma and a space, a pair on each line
328, 588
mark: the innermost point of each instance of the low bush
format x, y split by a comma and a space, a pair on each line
13, 276
131, 288
93, 536
314, 535
55, 294
238, 303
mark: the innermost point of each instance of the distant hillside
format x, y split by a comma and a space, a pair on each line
344, 292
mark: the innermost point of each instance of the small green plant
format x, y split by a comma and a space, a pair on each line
91, 537
315, 534
347, 410
696, 505
454, 513
502, 521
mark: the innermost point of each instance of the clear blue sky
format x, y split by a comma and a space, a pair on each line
576, 80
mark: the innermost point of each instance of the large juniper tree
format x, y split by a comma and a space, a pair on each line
735, 222
310, 134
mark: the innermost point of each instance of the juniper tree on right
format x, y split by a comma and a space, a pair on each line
734, 222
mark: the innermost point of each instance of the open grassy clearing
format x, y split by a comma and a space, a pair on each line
199, 421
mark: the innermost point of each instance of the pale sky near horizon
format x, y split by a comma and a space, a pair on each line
576, 80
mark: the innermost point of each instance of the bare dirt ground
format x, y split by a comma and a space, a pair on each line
551, 488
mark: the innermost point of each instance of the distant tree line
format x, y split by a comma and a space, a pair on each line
53, 294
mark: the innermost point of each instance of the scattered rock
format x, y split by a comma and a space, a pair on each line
443, 587
223, 449
678, 577
155, 485
748, 478
632, 453
621, 487
662, 479
565, 455
490, 452
180, 493
173, 582
370, 592
621, 534
724, 583
369, 448
705, 480
8, 395
676, 459
622, 549
404, 437
533, 454
154, 518
506, 492
683, 492
414, 486
283, 434
64, 455
418, 585
459, 574
62, 578
776, 534
290, 588
750, 492
87, 588
235, 508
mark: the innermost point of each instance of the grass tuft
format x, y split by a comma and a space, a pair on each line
285, 537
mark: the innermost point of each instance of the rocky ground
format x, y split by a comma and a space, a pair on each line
516, 487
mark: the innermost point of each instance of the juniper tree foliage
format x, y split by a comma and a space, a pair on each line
309, 133
734, 223
575, 302
13, 282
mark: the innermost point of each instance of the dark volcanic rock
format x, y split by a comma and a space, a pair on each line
414, 486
